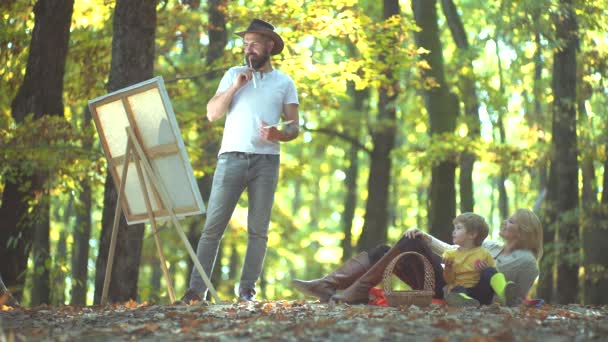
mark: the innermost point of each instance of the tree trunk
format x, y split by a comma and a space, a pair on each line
563, 193
545, 286
40, 94
605, 179
359, 104
441, 106
218, 37
375, 224
350, 202
593, 223
216, 11
61, 256
503, 198
82, 231
471, 105
539, 118
41, 275
132, 62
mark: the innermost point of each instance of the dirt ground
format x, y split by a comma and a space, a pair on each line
302, 321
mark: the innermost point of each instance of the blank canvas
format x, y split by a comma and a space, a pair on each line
146, 108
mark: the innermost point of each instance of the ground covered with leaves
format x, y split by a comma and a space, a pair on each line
300, 320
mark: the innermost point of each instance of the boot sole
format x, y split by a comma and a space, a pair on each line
323, 298
454, 299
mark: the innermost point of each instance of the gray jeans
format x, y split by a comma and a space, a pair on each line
235, 171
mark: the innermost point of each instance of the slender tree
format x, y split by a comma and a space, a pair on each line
503, 197
39, 95
471, 103
562, 194
442, 108
82, 230
132, 62
375, 226
594, 221
352, 174
596, 260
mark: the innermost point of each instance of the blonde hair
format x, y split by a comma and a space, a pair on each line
474, 224
530, 232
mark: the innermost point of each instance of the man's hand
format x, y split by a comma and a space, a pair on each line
243, 77
270, 133
220, 102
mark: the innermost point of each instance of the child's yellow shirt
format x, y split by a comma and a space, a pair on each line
464, 272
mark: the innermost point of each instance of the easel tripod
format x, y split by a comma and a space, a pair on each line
134, 152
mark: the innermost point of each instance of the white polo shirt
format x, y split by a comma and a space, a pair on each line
252, 105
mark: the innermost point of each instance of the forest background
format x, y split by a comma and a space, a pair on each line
411, 112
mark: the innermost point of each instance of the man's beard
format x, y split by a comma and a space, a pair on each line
257, 61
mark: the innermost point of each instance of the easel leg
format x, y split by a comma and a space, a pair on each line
161, 255
108, 277
163, 263
166, 202
197, 263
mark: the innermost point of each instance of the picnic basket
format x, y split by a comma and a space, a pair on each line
422, 297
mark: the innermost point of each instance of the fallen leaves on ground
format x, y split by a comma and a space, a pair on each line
301, 320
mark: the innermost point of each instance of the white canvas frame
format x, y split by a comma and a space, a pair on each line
146, 108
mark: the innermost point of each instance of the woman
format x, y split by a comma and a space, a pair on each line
517, 258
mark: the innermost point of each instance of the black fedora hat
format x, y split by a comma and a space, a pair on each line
262, 27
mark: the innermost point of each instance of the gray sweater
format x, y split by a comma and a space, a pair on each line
520, 266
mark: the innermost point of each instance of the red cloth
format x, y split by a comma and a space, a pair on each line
378, 298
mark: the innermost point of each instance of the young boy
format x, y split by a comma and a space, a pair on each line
464, 264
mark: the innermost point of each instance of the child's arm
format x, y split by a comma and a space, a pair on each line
485, 261
489, 260
448, 269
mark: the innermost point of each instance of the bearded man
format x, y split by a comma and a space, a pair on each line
253, 98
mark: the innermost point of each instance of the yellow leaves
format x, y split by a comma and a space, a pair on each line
430, 83
422, 51
91, 13
423, 64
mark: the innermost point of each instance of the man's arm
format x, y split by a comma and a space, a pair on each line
290, 131
219, 103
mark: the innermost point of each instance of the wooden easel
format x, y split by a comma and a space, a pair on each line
135, 152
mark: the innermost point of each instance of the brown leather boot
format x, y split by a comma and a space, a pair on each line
5, 296
358, 292
339, 279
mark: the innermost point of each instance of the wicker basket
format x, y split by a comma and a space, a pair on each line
422, 297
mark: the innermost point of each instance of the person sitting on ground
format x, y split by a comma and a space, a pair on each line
463, 265
365, 270
516, 257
